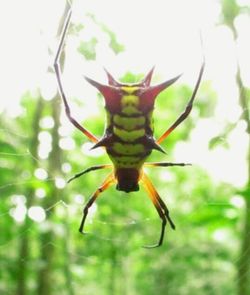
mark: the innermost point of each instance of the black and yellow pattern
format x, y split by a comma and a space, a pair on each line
128, 138
129, 127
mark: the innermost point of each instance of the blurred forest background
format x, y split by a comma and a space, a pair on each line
41, 251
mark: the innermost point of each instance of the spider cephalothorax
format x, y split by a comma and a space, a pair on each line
128, 138
139, 96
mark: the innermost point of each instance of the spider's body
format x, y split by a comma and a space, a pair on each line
128, 137
127, 130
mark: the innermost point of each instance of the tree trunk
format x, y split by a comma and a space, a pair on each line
46, 279
244, 260
46, 276
24, 243
244, 256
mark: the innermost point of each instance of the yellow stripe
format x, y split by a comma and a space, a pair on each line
128, 149
108, 118
129, 136
129, 104
129, 123
130, 110
130, 100
127, 161
130, 89
150, 120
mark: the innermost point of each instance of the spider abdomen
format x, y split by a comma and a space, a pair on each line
129, 128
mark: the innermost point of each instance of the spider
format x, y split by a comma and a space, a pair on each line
128, 138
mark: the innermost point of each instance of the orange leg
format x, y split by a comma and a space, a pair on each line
98, 167
58, 76
106, 184
188, 109
160, 207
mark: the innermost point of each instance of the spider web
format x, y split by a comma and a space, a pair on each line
60, 203
174, 245
87, 258
126, 225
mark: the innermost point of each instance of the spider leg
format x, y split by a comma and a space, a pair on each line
163, 205
165, 164
98, 167
59, 80
188, 109
106, 184
160, 207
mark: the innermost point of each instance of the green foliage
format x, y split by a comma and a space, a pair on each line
88, 49
230, 10
122, 222
51, 257
218, 141
131, 78
113, 44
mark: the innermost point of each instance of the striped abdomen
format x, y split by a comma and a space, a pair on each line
130, 130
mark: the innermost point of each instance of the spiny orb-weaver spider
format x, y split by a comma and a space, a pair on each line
128, 138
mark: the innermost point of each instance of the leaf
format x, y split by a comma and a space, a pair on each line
218, 141
88, 49
114, 44
131, 78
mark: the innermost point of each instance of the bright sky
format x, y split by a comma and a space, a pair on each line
161, 32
